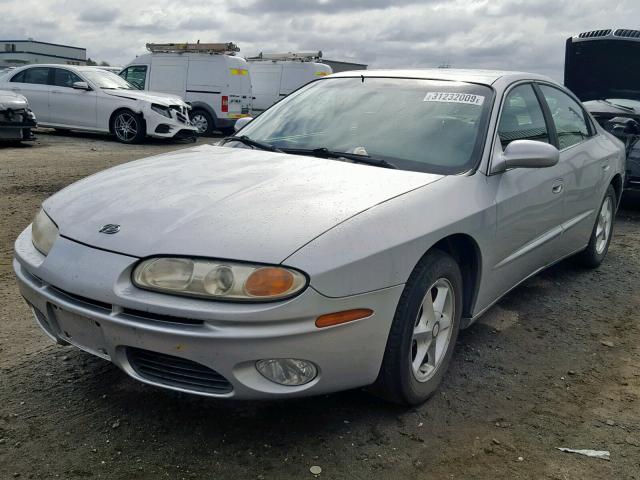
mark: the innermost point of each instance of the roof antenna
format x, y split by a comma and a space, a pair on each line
362, 77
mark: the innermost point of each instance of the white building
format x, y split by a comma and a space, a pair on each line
14, 53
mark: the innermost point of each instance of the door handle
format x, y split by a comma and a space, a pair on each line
557, 186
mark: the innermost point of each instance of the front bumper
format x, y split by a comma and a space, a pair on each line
176, 126
83, 296
17, 125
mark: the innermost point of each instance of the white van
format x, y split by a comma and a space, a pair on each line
276, 75
209, 76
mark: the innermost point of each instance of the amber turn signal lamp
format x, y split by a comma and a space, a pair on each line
342, 317
269, 282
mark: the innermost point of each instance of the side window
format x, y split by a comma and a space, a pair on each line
64, 78
568, 117
19, 78
135, 75
38, 76
522, 117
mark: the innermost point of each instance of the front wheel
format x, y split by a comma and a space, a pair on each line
594, 254
202, 120
423, 333
128, 127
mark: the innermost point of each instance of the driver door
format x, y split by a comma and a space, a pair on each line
529, 201
71, 107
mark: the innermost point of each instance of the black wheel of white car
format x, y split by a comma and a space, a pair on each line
128, 127
202, 120
594, 254
424, 331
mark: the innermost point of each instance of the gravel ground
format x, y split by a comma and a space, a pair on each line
555, 364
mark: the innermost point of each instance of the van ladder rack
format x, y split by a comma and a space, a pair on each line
300, 56
211, 48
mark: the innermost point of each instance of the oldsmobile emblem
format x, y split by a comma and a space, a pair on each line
110, 228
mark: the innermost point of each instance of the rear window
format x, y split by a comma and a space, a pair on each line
38, 76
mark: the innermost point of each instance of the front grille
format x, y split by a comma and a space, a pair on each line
627, 33
176, 372
595, 33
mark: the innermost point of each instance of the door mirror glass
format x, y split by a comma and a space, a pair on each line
81, 86
526, 154
241, 122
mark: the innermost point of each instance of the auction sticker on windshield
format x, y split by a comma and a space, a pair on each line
450, 97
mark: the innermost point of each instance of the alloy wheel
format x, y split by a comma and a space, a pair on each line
432, 330
603, 228
126, 127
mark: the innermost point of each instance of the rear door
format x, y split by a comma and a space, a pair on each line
529, 201
240, 92
33, 83
587, 164
69, 106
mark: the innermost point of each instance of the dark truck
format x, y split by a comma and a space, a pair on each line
602, 68
16, 118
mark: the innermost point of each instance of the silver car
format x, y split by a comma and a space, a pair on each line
340, 240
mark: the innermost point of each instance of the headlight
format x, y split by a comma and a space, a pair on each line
217, 279
43, 232
161, 109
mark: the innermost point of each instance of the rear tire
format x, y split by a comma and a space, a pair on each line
593, 255
423, 333
128, 127
202, 120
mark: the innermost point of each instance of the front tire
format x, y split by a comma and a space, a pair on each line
423, 333
593, 255
202, 120
128, 127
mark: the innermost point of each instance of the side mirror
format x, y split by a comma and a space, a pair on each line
81, 86
241, 122
526, 154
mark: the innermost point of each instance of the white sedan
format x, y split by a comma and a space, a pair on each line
69, 97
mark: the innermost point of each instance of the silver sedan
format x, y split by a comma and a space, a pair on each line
340, 240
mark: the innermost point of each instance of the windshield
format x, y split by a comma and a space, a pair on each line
421, 125
107, 80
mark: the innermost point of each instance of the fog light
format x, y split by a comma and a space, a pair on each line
287, 371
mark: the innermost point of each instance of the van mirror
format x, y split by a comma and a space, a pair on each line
526, 154
241, 122
81, 86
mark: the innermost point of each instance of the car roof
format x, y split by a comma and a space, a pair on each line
486, 77
60, 65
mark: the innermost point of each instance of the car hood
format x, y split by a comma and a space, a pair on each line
603, 68
600, 108
151, 97
12, 100
231, 203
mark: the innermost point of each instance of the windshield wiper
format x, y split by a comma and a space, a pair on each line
252, 143
326, 153
623, 107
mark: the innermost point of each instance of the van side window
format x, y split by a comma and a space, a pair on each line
568, 117
136, 75
522, 117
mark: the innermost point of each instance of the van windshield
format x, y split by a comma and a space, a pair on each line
107, 80
421, 125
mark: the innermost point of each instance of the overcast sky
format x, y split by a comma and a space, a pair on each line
507, 34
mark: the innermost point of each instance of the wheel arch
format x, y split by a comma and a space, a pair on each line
466, 252
200, 105
616, 183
